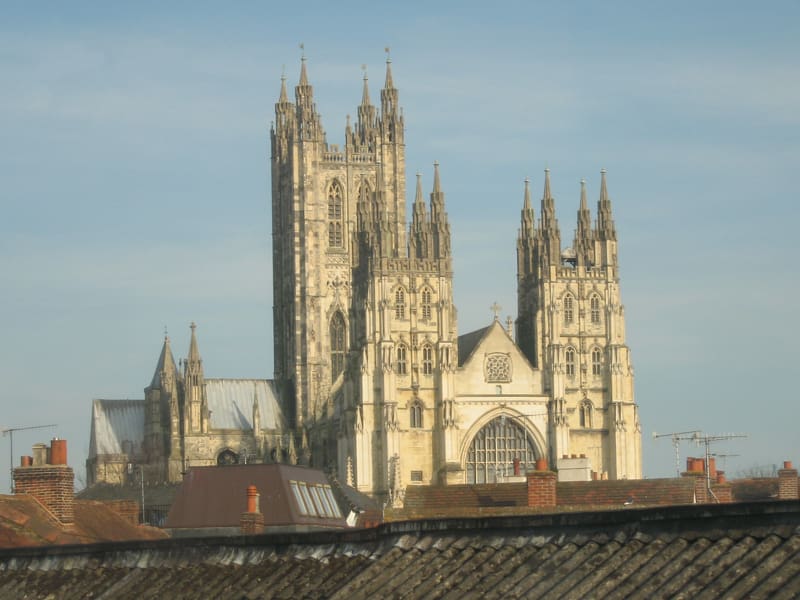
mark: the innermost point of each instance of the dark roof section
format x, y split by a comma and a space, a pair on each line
162, 494
468, 342
711, 551
217, 496
25, 522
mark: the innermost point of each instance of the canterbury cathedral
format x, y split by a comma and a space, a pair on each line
372, 380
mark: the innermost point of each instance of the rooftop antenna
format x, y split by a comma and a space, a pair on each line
677, 438
10, 433
707, 440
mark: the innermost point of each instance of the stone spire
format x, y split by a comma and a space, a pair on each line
551, 236
440, 226
528, 218
605, 222
420, 230
166, 366
367, 120
307, 118
528, 236
391, 120
584, 238
196, 417
194, 352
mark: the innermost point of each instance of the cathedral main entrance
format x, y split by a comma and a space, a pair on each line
491, 455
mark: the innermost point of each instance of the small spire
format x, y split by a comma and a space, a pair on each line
303, 74
437, 186
194, 353
603, 189
365, 94
584, 206
546, 195
389, 82
419, 199
283, 97
527, 203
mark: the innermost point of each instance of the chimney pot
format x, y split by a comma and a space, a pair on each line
58, 452
787, 464
252, 499
25, 461
541, 464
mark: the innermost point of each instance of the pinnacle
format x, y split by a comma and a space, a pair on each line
437, 186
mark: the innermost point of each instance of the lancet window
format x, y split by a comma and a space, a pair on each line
569, 309
569, 356
427, 360
338, 348
425, 306
594, 306
400, 303
402, 360
335, 218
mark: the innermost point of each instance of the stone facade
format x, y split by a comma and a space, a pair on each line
367, 357
371, 379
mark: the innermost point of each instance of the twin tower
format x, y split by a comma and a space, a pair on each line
371, 373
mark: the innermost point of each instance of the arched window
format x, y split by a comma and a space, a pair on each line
597, 361
569, 309
227, 457
337, 345
569, 355
425, 307
416, 415
335, 237
594, 305
400, 303
427, 360
494, 448
402, 364
586, 413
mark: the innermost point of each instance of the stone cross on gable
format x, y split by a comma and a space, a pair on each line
496, 308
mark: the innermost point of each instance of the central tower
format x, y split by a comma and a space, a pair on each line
364, 322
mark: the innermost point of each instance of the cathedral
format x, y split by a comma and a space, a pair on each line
371, 378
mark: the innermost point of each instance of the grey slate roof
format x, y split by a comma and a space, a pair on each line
709, 551
468, 342
115, 421
231, 403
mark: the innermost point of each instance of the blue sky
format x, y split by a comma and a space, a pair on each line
134, 186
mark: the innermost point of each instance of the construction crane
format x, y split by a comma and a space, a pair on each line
10, 433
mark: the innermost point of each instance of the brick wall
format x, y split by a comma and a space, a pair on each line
787, 482
251, 523
541, 488
52, 485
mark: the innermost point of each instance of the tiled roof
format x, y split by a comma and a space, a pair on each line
720, 551
25, 522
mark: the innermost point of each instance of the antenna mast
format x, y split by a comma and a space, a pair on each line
10, 433
677, 437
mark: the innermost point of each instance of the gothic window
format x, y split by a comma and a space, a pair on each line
335, 237
427, 360
586, 413
400, 304
416, 415
337, 345
497, 367
494, 448
569, 309
227, 457
426, 304
402, 364
570, 361
597, 361
594, 305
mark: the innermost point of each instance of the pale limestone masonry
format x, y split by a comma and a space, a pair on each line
371, 378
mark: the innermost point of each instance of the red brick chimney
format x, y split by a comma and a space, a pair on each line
252, 521
48, 479
787, 482
541, 485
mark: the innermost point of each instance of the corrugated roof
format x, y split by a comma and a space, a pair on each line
115, 421
711, 551
231, 403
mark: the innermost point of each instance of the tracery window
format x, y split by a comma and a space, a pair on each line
597, 361
497, 367
494, 448
427, 360
227, 457
594, 305
425, 307
569, 355
416, 415
335, 225
569, 309
400, 303
402, 362
337, 345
